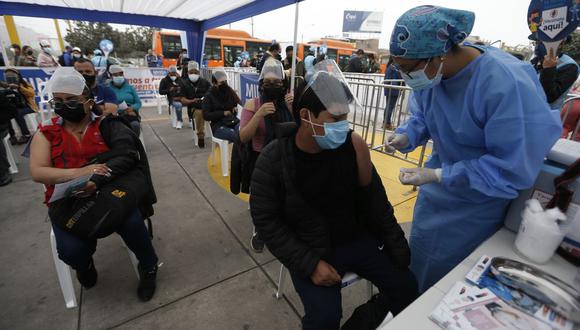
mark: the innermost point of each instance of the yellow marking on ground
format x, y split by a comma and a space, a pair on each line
401, 197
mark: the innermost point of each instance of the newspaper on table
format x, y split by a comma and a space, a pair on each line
488, 304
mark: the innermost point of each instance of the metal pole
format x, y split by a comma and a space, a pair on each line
295, 51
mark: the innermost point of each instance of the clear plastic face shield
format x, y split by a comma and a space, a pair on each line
332, 89
272, 70
220, 76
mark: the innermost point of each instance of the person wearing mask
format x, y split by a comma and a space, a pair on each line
355, 63
273, 51
56, 157
98, 60
76, 55
16, 54
7, 112
374, 66
27, 58
391, 94
194, 87
320, 206
45, 57
169, 86
558, 73
220, 107
66, 58
483, 109
287, 63
23, 100
127, 98
151, 59
105, 97
261, 114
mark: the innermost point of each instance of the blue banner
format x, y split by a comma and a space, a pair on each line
248, 86
553, 20
34, 76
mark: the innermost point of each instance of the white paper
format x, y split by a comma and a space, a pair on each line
63, 190
123, 106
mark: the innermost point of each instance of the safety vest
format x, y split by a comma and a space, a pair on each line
65, 150
562, 61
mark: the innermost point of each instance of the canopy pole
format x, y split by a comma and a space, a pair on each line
295, 51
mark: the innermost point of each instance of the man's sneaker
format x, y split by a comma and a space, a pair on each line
201, 143
147, 283
256, 243
88, 278
179, 125
5, 179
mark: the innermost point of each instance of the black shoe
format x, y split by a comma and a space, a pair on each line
201, 143
147, 283
13, 140
88, 278
256, 243
5, 179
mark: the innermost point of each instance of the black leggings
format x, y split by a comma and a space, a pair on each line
20, 113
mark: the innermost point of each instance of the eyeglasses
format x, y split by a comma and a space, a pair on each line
407, 72
69, 104
275, 85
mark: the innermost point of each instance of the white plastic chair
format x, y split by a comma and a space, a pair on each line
11, 160
142, 139
224, 146
64, 274
159, 99
347, 280
31, 122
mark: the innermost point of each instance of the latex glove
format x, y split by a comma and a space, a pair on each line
396, 142
419, 176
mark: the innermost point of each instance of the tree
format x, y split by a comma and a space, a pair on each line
573, 48
132, 42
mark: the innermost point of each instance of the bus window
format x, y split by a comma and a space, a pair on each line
254, 48
231, 54
343, 61
171, 45
212, 50
332, 54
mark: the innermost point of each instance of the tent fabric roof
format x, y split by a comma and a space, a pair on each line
197, 10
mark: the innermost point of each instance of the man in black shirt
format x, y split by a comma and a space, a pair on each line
193, 88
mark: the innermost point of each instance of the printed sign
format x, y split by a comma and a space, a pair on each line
248, 86
144, 80
553, 20
362, 21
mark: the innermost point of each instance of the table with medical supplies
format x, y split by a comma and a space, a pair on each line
501, 244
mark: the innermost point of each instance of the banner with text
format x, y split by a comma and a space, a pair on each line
248, 86
362, 21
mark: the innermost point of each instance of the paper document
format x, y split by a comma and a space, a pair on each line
64, 190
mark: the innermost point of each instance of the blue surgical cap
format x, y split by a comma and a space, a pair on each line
428, 31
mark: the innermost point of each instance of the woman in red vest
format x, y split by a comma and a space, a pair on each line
61, 152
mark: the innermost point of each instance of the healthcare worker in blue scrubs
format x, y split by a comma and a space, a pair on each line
491, 128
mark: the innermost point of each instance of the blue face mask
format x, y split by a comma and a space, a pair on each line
419, 80
334, 134
118, 80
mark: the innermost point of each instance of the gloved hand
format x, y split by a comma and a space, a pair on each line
396, 142
419, 176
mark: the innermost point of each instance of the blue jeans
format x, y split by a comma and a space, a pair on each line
322, 305
226, 133
77, 252
391, 103
178, 107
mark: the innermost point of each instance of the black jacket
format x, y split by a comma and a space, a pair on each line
194, 90
355, 64
214, 106
293, 233
555, 82
165, 88
7, 106
126, 153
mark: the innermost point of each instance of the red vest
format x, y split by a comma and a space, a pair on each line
65, 150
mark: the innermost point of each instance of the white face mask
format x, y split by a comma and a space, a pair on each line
193, 77
418, 80
172, 78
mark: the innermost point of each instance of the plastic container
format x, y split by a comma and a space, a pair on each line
540, 233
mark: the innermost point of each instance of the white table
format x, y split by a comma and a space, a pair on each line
416, 315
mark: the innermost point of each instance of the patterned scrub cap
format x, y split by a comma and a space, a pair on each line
428, 31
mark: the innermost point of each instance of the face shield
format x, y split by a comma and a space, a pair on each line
332, 89
220, 76
272, 69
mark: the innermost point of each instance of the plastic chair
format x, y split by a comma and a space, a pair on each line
142, 139
11, 160
347, 280
31, 122
224, 146
64, 274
